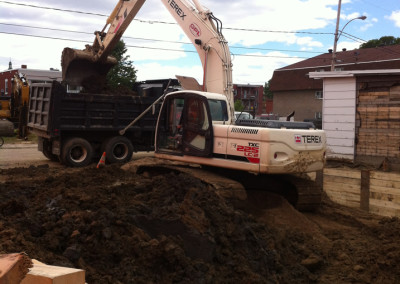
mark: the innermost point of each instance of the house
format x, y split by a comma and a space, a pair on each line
295, 91
252, 98
32, 76
362, 115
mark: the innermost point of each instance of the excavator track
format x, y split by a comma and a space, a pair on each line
302, 192
308, 193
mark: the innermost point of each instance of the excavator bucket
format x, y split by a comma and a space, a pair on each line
81, 67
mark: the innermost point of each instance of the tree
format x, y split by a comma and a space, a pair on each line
267, 93
239, 105
383, 41
123, 74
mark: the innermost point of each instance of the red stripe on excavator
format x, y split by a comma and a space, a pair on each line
254, 160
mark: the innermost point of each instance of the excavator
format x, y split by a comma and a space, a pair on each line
197, 125
15, 108
19, 103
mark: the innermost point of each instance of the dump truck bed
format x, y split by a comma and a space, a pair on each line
53, 110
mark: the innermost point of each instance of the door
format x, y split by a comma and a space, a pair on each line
185, 126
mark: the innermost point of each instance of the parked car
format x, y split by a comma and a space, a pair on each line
243, 115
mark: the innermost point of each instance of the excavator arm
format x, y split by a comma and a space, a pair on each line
92, 64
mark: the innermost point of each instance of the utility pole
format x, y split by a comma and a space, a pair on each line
336, 37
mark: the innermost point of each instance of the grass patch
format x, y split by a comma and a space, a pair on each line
32, 138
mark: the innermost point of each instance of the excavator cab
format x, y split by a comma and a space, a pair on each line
185, 126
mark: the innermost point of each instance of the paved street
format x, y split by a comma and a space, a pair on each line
26, 154
20, 155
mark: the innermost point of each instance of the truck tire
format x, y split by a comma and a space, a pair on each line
77, 152
118, 150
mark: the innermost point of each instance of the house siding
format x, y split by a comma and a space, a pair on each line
303, 103
338, 119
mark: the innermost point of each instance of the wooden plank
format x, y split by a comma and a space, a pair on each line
344, 201
382, 211
386, 183
385, 176
385, 197
344, 195
384, 204
337, 187
343, 182
343, 172
386, 190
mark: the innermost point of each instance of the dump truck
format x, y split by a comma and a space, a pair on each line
76, 128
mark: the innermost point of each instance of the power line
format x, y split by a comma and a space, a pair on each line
159, 22
156, 40
153, 48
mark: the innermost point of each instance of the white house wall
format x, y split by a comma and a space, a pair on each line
339, 116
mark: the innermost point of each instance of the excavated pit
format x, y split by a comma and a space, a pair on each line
152, 226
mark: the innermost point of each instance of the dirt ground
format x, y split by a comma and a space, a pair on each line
168, 227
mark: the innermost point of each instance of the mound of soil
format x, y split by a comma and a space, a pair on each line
163, 227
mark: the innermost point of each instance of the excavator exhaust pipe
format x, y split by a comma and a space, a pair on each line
82, 67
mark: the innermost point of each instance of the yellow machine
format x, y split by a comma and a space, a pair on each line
18, 104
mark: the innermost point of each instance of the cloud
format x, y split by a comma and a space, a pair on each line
166, 56
395, 17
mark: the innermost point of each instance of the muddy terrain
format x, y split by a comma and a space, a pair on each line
123, 226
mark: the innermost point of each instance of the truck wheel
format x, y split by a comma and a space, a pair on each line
77, 152
118, 150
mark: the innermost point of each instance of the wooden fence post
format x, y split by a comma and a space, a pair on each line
364, 194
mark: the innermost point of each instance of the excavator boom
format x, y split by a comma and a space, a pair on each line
93, 63
89, 67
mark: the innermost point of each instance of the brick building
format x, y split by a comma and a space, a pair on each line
252, 98
32, 75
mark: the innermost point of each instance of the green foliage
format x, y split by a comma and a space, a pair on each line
239, 105
383, 41
123, 74
267, 92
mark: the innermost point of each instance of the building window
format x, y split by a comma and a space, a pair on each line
318, 115
339, 69
320, 70
6, 86
319, 94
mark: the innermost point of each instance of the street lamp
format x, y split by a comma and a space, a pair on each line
337, 35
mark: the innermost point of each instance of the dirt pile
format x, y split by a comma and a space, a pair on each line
163, 227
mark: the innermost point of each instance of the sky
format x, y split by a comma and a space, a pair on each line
263, 35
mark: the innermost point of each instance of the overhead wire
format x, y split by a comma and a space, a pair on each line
163, 22
158, 22
155, 40
149, 47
